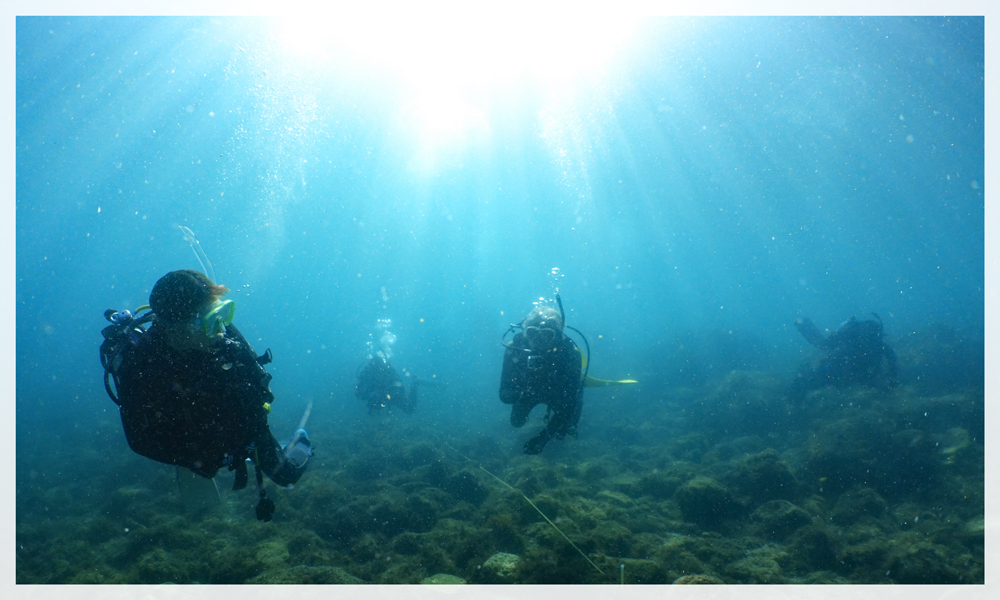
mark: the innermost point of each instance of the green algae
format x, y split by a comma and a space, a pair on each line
442, 579
869, 496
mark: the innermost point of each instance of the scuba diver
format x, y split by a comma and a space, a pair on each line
541, 365
191, 390
855, 354
380, 386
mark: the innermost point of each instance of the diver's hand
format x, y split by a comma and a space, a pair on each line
811, 333
537, 443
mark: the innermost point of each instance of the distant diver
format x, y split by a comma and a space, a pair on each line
191, 390
855, 354
380, 386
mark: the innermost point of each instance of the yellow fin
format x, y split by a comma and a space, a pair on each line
595, 382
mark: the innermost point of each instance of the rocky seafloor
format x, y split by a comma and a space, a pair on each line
723, 483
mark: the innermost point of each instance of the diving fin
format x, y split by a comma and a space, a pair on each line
589, 381
299, 448
198, 493
595, 382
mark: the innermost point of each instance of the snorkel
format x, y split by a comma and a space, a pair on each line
220, 313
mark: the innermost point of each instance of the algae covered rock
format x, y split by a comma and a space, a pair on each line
307, 575
131, 501
778, 519
915, 560
763, 477
857, 503
974, 531
420, 454
642, 571
895, 462
272, 553
368, 466
742, 398
466, 487
809, 548
442, 579
616, 499
503, 533
499, 568
697, 580
660, 485
866, 551
706, 502
157, 566
760, 566
396, 513
612, 538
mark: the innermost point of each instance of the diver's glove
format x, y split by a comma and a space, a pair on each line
299, 449
537, 443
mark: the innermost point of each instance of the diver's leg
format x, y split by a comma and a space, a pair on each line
537, 443
574, 417
519, 413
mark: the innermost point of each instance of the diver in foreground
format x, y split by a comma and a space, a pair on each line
191, 390
855, 354
541, 365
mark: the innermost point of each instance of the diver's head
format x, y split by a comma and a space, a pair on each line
187, 305
542, 327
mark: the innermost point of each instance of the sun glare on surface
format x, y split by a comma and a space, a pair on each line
447, 60
472, 48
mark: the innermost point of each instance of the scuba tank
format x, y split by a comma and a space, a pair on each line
125, 331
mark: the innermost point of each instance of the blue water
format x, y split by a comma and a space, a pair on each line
711, 181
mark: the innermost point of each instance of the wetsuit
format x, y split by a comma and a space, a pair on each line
855, 354
200, 410
550, 377
379, 386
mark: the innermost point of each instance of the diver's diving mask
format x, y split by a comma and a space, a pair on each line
540, 336
214, 321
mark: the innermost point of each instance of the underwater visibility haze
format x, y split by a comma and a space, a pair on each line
689, 186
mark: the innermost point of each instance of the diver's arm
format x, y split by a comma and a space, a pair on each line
513, 377
567, 391
251, 371
812, 333
570, 372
